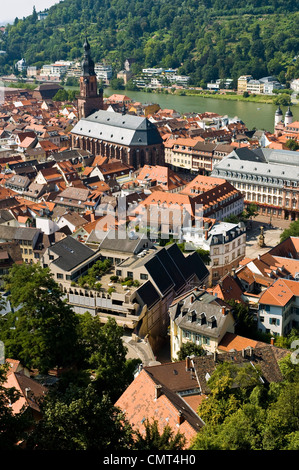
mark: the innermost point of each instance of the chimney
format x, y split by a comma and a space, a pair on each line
188, 363
191, 299
158, 391
181, 418
215, 356
272, 341
223, 310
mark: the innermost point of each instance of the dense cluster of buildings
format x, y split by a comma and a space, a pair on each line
150, 190
265, 85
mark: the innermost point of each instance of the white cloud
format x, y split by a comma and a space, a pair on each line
19, 8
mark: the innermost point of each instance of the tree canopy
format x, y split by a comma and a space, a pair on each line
242, 413
158, 33
291, 231
41, 331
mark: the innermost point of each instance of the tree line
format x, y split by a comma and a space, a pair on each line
205, 40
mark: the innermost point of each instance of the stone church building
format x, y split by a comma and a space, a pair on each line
132, 139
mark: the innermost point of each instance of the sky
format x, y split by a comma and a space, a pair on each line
10, 9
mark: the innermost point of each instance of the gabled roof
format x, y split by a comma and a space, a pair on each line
30, 390
147, 398
127, 130
280, 292
232, 341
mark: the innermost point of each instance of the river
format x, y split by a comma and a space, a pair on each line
258, 115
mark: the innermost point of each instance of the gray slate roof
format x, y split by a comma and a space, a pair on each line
280, 171
17, 233
127, 130
124, 245
71, 253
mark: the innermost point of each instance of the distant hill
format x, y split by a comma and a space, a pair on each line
206, 39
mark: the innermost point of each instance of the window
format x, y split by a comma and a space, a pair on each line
187, 334
130, 274
118, 272
59, 276
143, 276
274, 321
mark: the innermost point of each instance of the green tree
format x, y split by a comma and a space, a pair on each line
61, 95
282, 422
42, 330
117, 84
232, 219
204, 255
292, 144
80, 419
240, 431
230, 386
292, 231
190, 349
154, 440
244, 321
250, 211
283, 99
105, 354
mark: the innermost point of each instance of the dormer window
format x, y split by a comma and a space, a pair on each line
212, 322
202, 319
191, 316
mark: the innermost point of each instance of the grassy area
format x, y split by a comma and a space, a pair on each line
232, 97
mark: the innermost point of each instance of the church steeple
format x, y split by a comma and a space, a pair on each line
87, 64
89, 100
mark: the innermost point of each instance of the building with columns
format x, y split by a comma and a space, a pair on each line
268, 178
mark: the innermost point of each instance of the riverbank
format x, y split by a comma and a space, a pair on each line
257, 115
231, 97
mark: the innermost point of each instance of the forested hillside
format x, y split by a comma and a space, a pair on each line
207, 39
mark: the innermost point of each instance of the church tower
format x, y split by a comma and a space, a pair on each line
89, 100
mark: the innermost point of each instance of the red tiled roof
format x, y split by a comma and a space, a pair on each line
232, 341
139, 403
